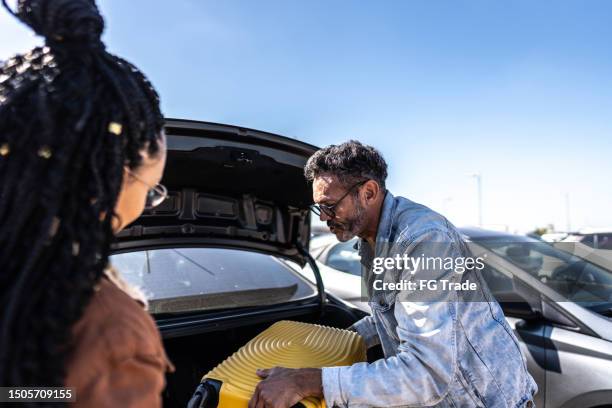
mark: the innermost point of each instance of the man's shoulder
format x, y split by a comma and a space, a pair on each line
414, 222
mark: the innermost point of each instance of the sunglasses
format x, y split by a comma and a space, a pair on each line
329, 210
156, 194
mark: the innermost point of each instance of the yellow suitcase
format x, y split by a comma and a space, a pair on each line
286, 344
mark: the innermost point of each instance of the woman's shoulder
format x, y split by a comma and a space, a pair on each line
116, 326
118, 358
110, 308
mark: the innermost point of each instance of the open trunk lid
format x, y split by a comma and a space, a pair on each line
229, 187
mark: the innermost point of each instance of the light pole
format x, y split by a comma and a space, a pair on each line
478, 178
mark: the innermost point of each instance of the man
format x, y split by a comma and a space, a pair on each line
443, 347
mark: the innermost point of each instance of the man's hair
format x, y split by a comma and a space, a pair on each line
350, 162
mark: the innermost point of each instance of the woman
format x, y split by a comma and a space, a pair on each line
81, 153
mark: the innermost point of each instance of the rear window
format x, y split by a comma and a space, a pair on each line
195, 279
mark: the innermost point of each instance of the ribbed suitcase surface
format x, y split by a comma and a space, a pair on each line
286, 344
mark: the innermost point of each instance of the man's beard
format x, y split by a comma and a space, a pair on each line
351, 227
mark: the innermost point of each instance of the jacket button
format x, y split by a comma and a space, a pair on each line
382, 303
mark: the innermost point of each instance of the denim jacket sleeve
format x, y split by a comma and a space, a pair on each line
421, 372
366, 328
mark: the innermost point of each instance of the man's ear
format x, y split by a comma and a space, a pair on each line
371, 190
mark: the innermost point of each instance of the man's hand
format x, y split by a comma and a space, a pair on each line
285, 387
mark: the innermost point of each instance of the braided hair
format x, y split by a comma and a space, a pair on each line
72, 116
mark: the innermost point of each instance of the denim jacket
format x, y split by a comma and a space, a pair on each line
448, 351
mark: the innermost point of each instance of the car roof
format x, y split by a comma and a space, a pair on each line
588, 231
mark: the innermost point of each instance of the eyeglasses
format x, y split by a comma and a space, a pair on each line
156, 194
329, 209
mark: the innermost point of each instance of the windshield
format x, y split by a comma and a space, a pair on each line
194, 279
572, 277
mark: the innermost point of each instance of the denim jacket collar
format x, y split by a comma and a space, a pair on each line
386, 220
383, 231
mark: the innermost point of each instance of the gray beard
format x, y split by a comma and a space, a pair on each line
355, 225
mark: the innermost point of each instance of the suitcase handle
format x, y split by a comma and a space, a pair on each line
206, 395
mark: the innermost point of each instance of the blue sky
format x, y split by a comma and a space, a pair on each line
519, 91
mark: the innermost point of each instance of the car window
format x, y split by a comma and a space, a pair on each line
343, 257
193, 279
588, 240
506, 290
572, 277
604, 241
496, 280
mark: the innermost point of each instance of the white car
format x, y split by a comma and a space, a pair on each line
600, 238
340, 269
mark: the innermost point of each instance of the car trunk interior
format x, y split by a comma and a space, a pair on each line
195, 355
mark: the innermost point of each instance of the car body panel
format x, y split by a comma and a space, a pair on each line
579, 367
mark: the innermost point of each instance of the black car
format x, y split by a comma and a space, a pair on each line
213, 257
